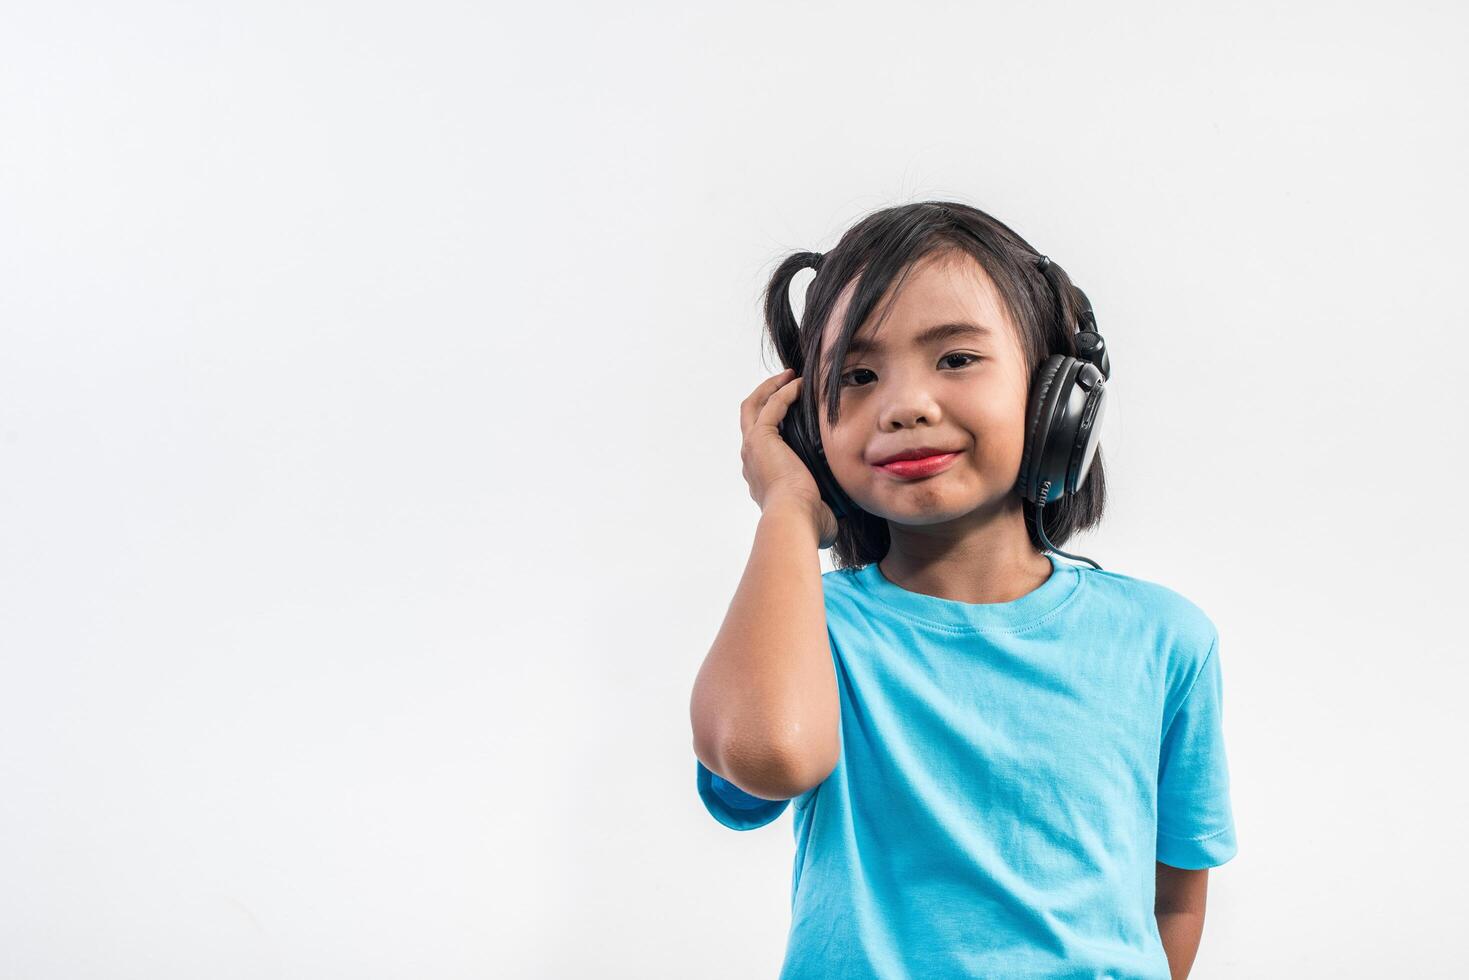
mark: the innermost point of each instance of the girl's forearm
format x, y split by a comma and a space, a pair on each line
765, 710
1180, 932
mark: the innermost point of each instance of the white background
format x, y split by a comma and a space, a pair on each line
371, 484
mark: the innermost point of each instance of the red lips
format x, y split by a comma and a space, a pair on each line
918, 453
917, 468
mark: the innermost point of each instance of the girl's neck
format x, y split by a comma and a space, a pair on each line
970, 560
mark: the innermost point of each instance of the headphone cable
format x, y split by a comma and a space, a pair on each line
1040, 526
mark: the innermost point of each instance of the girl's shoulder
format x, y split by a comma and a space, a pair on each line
1152, 602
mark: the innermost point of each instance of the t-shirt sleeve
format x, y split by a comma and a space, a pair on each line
1195, 821
731, 805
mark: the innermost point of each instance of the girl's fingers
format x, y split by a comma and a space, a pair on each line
779, 403
750, 407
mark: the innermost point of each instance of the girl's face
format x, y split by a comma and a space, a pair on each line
962, 390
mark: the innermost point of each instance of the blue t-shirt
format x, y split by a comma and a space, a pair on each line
1009, 774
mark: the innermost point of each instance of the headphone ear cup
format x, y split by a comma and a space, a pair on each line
1088, 435
1039, 411
804, 438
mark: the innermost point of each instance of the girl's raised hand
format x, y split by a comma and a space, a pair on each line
771, 467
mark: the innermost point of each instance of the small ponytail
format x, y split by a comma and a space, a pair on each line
781, 327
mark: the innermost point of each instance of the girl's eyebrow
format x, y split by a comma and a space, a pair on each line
930, 335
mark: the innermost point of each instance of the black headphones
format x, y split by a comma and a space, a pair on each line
1063, 424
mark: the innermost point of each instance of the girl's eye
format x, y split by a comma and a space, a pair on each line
968, 358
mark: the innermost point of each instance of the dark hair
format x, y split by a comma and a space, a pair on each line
887, 244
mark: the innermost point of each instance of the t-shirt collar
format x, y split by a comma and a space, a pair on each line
1005, 617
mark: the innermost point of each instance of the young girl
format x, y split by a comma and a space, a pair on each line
1003, 765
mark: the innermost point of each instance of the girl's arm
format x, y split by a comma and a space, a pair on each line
764, 709
1179, 908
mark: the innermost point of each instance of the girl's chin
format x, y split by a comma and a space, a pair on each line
924, 502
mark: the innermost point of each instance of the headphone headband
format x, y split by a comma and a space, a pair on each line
1089, 343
